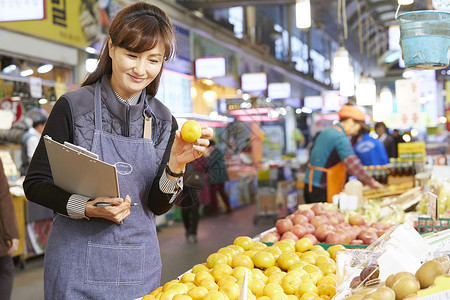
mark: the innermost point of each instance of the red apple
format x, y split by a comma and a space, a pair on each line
310, 228
335, 238
299, 230
319, 220
318, 209
368, 237
289, 235
356, 219
269, 238
323, 230
312, 238
283, 225
308, 213
300, 219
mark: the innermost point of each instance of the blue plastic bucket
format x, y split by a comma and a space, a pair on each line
425, 39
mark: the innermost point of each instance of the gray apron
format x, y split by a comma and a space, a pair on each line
99, 259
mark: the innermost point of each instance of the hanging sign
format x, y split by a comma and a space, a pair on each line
408, 105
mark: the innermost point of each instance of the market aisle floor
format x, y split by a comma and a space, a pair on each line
177, 255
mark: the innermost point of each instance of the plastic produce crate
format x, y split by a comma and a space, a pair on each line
326, 246
425, 225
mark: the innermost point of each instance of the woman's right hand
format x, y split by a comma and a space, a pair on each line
119, 209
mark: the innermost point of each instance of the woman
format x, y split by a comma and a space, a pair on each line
9, 236
112, 252
332, 156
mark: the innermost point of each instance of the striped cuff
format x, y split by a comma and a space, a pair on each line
170, 186
76, 205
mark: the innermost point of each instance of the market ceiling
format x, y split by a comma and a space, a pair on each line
366, 22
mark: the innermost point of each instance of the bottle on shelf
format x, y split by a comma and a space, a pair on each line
393, 167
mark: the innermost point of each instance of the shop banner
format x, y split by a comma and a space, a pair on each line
408, 105
74, 22
411, 151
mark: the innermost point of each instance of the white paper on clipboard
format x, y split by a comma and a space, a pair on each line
77, 172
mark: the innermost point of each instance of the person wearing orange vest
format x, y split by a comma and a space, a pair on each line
332, 156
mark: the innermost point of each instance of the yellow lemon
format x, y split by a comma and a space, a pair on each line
244, 241
216, 258
199, 267
272, 288
215, 295
220, 270
287, 259
182, 297
286, 245
238, 248
191, 131
168, 295
159, 289
258, 274
256, 286
187, 277
271, 270
303, 244
202, 275
306, 287
225, 279
231, 289
148, 297
258, 246
242, 260
279, 296
290, 283
239, 272
180, 287
209, 284
197, 293
168, 284
276, 277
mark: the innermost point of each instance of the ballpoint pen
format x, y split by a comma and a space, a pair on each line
101, 204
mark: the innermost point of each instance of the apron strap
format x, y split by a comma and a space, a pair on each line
98, 106
311, 173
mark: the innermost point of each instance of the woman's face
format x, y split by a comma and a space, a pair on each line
351, 127
131, 71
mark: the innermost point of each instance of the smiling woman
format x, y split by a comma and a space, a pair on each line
115, 114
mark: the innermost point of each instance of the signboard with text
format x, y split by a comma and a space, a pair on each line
411, 151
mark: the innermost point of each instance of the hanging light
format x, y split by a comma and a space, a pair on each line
347, 83
405, 2
341, 64
386, 97
26, 72
366, 91
303, 14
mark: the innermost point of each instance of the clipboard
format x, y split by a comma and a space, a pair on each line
79, 171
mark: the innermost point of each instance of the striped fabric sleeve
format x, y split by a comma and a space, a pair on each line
76, 205
355, 168
170, 186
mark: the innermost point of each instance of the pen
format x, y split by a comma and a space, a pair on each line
101, 204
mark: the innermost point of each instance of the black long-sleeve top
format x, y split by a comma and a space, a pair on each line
39, 186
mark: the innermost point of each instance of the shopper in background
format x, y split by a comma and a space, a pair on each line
103, 252
9, 237
332, 156
30, 141
387, 139
193, 195
217, 176
370, 151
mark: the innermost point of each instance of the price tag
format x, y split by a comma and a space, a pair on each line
433, 206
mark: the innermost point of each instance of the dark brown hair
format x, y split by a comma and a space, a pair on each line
137, 28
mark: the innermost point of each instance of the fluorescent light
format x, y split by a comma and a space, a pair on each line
90, 50
26, 72
405, 2
10, 69
43, 101
45, 68
298, 111
303, 14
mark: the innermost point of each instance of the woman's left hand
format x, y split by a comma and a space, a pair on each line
184, 152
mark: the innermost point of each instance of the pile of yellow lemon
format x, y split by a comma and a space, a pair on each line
286, 270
